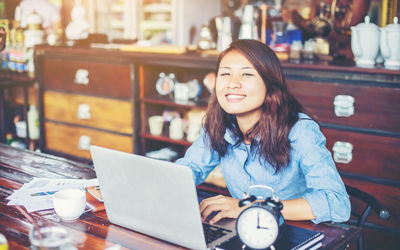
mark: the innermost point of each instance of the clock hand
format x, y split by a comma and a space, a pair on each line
258, 222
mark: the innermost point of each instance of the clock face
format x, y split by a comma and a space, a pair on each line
164, 85
257, 227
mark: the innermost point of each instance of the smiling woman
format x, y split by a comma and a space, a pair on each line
256, 131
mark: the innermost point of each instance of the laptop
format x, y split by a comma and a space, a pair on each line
154, 197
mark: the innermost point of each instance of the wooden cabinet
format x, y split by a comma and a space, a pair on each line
88, 77
371, 156
372, 106
86, 100
358, 114
75, 140
96, 112
152, 103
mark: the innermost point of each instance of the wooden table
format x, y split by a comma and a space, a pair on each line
93, 230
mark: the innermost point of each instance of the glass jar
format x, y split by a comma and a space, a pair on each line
3, 242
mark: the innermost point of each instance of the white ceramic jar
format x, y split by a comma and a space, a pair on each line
390, 44
365, 43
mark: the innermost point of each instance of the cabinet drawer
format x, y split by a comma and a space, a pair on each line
387, 195
371, 155
76, 140
113, 80
97, 112
374, 107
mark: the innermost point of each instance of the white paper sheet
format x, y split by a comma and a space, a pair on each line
23, 196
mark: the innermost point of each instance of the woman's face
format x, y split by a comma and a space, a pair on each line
240, 89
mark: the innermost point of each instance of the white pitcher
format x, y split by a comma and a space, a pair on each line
365, 43
390, 44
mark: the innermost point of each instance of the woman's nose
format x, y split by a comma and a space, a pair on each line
234, 82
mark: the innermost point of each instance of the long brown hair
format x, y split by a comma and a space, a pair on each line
280, 110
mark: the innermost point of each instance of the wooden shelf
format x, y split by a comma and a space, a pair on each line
165, 139
161, 100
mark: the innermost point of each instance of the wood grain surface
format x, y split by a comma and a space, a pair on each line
105, 113
64, 138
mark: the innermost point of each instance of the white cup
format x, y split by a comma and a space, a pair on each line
156, 124
181, 91
69, 204
176, 129
20, 128
193, 132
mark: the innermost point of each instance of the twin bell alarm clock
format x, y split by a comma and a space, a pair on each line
258, 225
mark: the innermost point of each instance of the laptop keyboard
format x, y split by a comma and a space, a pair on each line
212, 233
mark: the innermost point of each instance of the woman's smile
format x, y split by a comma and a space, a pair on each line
233, 98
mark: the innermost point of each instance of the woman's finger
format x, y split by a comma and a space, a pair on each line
208, 210
212, 200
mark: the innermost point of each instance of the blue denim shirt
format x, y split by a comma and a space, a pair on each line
310, 174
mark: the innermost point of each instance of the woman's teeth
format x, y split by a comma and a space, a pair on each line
235, 97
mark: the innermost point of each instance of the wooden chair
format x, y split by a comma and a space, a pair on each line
371, 203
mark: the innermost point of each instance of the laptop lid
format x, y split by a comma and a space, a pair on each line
150, 196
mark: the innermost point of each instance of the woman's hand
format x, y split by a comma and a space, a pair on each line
227, 207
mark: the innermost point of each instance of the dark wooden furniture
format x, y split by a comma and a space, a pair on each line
85, 101
363, 136
93, 230
8, 82
371, 128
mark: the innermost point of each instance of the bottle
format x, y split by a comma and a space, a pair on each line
4, 58
295, 51
20, 61
33, 123
308, 50
12, 50
4, 54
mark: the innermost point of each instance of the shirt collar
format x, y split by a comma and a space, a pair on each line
231, 139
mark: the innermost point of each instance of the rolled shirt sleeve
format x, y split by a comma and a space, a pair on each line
201, 158
325, 192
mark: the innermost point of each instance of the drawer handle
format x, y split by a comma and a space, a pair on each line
83, 112
82, 77
342, 152
344, 105
84, 142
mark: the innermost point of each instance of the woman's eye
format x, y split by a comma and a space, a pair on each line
247, 74
224, 74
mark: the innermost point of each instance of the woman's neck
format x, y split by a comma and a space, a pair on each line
246, 123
